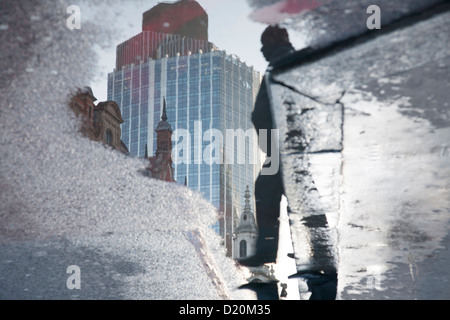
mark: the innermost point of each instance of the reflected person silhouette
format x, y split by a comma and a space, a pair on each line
268, 188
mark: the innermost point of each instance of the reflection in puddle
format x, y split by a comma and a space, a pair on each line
389, 180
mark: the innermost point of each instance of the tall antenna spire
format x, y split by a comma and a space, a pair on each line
164, 115
163, 125
247, 196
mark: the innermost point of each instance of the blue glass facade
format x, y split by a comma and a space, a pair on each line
214, 88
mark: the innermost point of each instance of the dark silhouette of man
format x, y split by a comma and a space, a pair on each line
268, 188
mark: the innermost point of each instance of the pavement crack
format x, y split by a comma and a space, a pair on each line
313, 98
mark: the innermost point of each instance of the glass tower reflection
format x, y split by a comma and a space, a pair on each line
204, 88
212, 87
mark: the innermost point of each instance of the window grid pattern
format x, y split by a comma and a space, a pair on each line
214, 88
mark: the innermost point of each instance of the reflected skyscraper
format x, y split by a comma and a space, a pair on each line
204, 88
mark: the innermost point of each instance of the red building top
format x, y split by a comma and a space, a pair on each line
168, 29
185, 17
